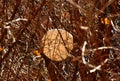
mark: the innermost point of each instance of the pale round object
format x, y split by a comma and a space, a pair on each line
57, 44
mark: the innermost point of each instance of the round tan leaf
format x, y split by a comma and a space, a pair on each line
57, 44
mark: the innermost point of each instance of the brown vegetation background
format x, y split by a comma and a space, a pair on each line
24, 22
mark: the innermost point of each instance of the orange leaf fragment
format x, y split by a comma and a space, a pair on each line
102, 20
36, 52
107, 21
1, 48
49, 79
